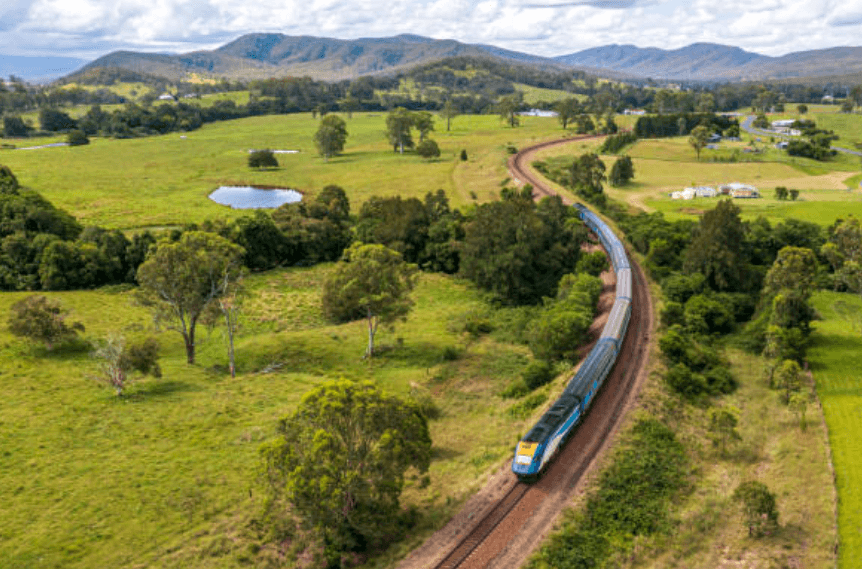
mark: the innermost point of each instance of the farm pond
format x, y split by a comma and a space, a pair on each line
253, 197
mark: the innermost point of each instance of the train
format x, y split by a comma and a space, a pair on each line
541, 443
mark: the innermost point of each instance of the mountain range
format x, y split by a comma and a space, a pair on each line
257, 56
714, 62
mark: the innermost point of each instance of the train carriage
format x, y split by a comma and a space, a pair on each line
541, 443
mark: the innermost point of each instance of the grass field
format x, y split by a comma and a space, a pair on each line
709, 530
166, 475
835, 357
827, 190
165, 180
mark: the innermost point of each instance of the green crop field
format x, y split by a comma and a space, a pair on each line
836, 357
165, 476
165, 180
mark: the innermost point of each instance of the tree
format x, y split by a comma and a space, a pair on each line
517, 252
698, 138
8, 181
340, 461
716, 248
42, 319
787, 380
14, 126
54, 120
180, 280
586, 175
449, 112
262, 159
722, 427
119, 359
424, 123
371, 282
761, 121
706, 103
622, 171
398, 123
568, 110
330, 136
758, 506
508, 107
428, 149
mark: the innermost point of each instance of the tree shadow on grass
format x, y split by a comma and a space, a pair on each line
159, 389
421, 354
443, 453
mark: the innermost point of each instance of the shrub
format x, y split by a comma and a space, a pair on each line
683, 381
42, 319
537, 374
672, 314
758, 506
262, 159
428, 149
77, 138
592, 263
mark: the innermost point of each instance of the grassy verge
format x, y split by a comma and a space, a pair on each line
835, 359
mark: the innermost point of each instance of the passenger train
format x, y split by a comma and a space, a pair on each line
542, 442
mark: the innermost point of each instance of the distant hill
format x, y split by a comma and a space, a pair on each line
714, 62
258, 56
38, 69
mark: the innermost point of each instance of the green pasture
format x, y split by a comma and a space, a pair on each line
165, 476
165, 180
835, 358
533, 95
827, 190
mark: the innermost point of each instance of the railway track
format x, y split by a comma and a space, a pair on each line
503, 534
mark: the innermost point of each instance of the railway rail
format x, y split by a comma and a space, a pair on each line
503, 533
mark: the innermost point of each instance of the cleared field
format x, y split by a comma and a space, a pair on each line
166, 475
835, 358
165, 180
827, 190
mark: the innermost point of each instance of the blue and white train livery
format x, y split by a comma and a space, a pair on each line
542, 442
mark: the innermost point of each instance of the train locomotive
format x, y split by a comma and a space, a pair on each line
541, 443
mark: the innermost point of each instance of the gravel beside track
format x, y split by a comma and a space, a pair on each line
505, 521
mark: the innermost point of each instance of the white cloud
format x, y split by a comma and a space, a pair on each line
543, 27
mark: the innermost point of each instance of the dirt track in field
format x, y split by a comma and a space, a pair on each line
513, 539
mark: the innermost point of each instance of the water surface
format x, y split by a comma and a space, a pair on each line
250, 197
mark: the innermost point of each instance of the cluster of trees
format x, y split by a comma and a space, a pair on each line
782, 193
668, 125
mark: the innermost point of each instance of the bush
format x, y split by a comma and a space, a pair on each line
758, 506
685, 382
262, 159
41, 319
592, 263
77, 138
537, 374
672, 314
428, 149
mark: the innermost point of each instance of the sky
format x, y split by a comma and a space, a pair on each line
88, 29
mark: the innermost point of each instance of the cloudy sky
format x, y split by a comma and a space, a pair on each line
90, 28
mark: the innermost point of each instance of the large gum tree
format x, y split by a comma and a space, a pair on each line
180, 281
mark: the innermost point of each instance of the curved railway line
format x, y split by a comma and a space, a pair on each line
503, 533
